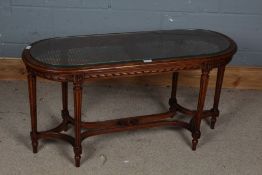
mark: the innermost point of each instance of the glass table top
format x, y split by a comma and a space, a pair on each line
128, 47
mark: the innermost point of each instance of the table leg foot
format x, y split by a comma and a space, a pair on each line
194, 144
196, 136
35, 146
213, 122
78, 152
34, 143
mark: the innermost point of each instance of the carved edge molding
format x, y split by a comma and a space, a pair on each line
143, 70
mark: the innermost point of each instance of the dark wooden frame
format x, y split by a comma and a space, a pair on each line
79, 74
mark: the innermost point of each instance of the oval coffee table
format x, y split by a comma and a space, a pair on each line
75, 59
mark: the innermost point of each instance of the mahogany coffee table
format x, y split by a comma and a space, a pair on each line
75, 59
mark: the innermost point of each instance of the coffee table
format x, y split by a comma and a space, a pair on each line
78, 58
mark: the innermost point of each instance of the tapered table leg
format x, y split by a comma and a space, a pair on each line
219, 82
201, 101
77, 113
33, 109
173, 99
65, 112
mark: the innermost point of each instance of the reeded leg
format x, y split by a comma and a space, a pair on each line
65, 112
173, 100
201, 101
77, 112
219, 82
32, 99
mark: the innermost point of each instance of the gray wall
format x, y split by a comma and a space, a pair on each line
25, 21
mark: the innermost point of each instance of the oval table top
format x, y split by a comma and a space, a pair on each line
119, 50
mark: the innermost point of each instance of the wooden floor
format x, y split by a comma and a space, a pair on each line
235, 77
